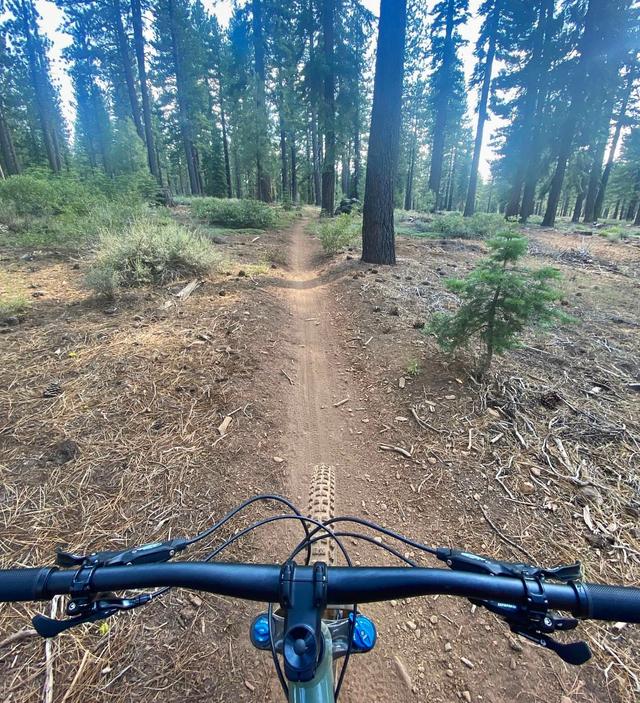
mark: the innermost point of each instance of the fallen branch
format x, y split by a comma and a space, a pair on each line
422, 423
17, 637
341, 402
288, 377
49, 645
188, 289
502, 536
399, 450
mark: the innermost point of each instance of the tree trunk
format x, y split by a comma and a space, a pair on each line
378, 236
442, 109
263, 179
637, 219
577, 210
36, 62
125, 60
7, 148
317, 159
565, 206
598, 148
357, 159
620, 120
294, 169
183, 109
615, 210
284, 160
535, 126
327, 13
590, 50
138, 40
408, 191
450, 181
470, 205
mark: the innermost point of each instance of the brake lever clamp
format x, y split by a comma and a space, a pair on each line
532, 620
87, 606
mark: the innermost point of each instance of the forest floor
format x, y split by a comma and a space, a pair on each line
319, 360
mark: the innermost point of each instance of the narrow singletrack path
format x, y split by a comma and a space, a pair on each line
316, 432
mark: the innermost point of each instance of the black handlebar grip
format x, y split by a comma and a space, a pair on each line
23, 584
613, 603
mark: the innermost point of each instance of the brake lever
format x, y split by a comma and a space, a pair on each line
146, 554
84, 610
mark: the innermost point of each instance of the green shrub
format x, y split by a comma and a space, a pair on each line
149, 251
41, 210
499, 300
479, 226
239, 214
338, 232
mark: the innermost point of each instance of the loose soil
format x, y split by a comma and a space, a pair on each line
543, 458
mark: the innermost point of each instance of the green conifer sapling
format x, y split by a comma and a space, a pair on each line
499, 300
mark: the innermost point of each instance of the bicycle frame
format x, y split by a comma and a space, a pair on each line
320, 688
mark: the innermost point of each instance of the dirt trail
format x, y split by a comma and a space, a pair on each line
316, 431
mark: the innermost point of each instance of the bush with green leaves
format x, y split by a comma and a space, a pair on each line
149, 251
499, 300
38, 209
336, 233
236, 214
481, 225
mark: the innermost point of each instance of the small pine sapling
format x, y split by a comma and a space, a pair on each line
499, 301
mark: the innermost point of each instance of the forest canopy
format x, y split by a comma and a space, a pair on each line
276, 104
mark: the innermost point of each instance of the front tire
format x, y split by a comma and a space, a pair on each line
322, 501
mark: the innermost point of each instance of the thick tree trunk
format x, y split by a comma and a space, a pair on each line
327, 13
442, 108
138, 40
637, 219
7, 148
378, 236
127, 69
577, 210
470, 204
616, 210
284, 160
620, 120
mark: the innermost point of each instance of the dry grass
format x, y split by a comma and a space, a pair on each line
128, 452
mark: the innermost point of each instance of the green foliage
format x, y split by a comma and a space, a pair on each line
479, 226
499, 301
233, 213
336, 233
149, 251
12, 301
41, 210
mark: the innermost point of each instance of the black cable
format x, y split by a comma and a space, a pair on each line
365, 538
274, 654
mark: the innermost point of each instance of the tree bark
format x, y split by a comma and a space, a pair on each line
328, 12
183, 110
378, 236
442, 109
138, 40
357, 158
408, 191
590, 50
36, 63
535, 126
470, 205
263, 180
125, 60
577, 210
294, 168
316, 159
7, 147
620, 120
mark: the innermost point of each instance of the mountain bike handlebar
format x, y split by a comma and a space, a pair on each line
343, 585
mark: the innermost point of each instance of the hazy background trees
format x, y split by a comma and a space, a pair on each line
276, 105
